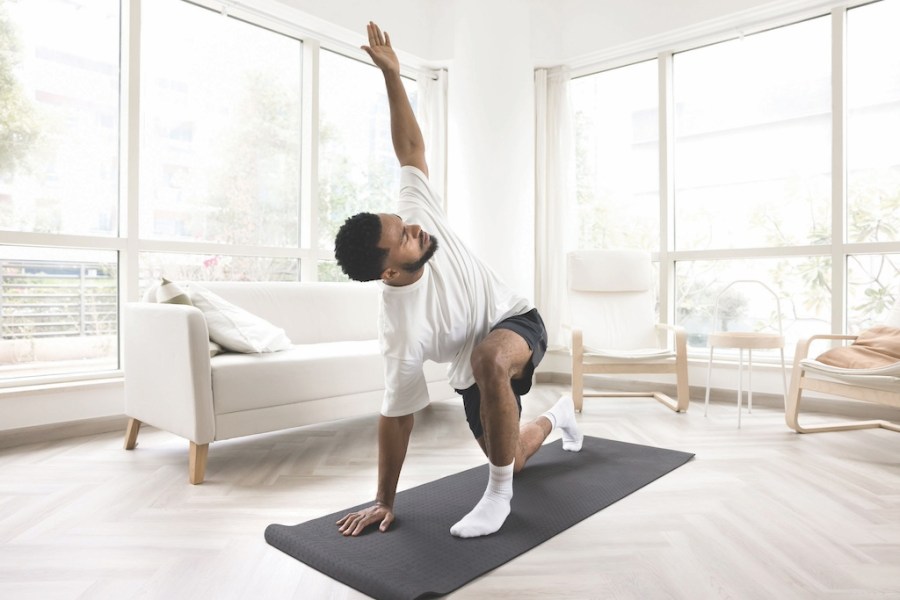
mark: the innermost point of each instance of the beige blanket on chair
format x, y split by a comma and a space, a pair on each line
875, 347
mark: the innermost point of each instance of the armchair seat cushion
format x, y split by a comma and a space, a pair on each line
629, 355
884, 378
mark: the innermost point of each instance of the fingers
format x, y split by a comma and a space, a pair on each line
354, 523
376, 36
386, 522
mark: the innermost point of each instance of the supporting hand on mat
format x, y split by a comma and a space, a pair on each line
354, 523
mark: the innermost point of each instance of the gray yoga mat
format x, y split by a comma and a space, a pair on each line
418, 558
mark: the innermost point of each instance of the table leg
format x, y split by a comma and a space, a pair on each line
750, 380
708, 375
740, 393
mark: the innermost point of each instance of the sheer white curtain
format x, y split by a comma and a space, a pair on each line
432, 109
555, 199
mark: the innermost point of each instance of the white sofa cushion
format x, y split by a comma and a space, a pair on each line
301, 373
235, 328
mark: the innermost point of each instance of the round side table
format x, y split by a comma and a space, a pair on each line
749, 341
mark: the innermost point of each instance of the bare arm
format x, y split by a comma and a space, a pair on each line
409, 145
393, 440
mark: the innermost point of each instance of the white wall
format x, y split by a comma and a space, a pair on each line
44, 405
593, 25
491, 137
407, 20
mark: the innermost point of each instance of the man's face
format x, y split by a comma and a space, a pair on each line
408, 246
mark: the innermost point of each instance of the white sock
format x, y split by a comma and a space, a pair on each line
562, 415
493, 508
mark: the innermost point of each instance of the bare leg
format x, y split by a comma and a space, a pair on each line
499, 358
500, 419
531, 437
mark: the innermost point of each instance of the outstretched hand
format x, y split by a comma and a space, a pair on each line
354, 523
380, 50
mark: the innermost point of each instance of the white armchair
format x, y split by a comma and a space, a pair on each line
614, 328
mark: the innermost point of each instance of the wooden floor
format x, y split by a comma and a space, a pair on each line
761, 512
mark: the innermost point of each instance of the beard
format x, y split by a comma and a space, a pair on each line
415, 266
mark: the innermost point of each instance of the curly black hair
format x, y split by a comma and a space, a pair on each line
356, 247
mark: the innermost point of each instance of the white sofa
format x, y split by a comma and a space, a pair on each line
332, 371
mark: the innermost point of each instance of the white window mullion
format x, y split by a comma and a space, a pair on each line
129, 151
666, 192
309, 171
129, 144
838, 169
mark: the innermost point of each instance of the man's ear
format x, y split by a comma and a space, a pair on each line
389, 274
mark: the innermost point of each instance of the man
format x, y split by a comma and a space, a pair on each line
441, 303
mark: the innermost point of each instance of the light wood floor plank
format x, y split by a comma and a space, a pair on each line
761, 512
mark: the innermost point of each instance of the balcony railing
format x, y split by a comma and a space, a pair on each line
42, 299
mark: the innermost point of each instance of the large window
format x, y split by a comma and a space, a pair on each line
358, 170
752, 124
754, 192
218, 181
59, 102
873, 161
220, 144
617, 149
752, 169
59, 178
873, 123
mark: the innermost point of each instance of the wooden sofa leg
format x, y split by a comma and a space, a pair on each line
197, 462
577, 370
131, 433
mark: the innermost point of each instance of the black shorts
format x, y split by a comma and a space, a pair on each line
531, 327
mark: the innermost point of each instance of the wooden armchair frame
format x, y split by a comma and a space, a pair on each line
607, 365
800, 381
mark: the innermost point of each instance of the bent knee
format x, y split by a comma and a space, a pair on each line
488, 367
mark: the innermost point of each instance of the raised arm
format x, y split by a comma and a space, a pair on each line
405, 133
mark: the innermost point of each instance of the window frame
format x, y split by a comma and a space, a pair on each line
839, 250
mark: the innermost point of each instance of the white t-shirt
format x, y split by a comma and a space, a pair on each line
442, 316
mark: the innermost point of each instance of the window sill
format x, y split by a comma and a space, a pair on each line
45, 384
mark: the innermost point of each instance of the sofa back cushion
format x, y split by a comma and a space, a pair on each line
310, 312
